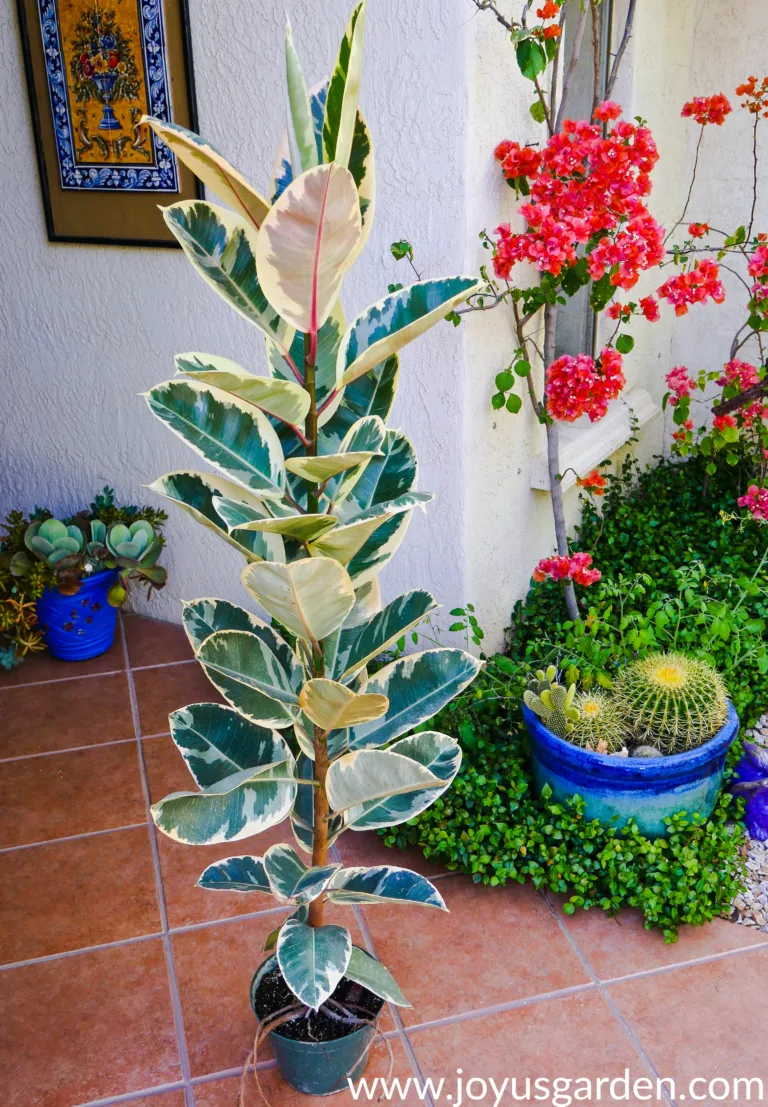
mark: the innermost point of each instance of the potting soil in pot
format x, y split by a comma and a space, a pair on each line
315, 1026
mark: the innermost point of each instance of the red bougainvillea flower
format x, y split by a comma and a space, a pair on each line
607, 110
682, 434
619, 311
699, 284
739, 373
584, 187
679, 383
650, 309
708, 109
698, 230
561, 568
551, 31
593, 482
756, 500
755, 413
550, 10
517, 160
578, 386
755, 96
758, 263
759, 291
720, 422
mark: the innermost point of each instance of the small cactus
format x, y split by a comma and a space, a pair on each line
646, 751
554, 706
671, 701
601, 726
542, 679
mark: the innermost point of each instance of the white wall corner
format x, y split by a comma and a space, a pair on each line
585, 445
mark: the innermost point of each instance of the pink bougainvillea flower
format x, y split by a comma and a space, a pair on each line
517, 160
577, 386
607, 110
679, 383
758, 263
698, 284
756, 500
698, 230
739, 373
576, 567
593, 482
708, 109
720, 422
650, 309
550, 10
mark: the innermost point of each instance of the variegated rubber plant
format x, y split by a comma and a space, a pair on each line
317, 494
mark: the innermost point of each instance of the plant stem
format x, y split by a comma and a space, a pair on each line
754, 176
595, 54
690, 187
310, 425
622, 47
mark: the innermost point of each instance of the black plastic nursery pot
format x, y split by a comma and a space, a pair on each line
317, 1054
76, 628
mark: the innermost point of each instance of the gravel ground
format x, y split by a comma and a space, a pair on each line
750, 907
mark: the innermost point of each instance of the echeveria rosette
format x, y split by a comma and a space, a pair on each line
752, 784
317, 494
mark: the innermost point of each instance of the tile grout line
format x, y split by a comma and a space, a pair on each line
609, 1001
396, 1018
501, 1008
69, 749
93, 676
71, 837
707, 959
132, 1097
173, 983
9, 965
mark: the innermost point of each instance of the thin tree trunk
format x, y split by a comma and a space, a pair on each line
553, 465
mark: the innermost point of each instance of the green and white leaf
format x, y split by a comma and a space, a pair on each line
251, 677
216, 742
417, 687
201, 495
312, 959
365, 777
391, 474
371, 394
319, 469
365, 970
236, 874
367, 435
328, 342
311, 597
303, 811
333, 706
304, 528
359, 644
211, 168
343, 91
438, 754
222, 248
393, 518
306, 245
204, 617
384, 884
229, 433
284, 399
291, 880
390, 324
301, 132
236, 808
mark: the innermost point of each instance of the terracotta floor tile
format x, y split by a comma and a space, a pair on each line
214, 968
70, 793
59, 716
620, 946
224, 1093
61, 900
501, 943
708, 1020
167, 1099
87, 1027
44, 666
367, 848
160, 691
570, 1037
152, 642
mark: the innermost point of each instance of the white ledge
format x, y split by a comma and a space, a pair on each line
583, 445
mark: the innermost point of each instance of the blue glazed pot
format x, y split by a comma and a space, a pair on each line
316, 1068
80, 626
619, 788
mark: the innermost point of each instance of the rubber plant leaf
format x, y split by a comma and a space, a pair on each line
359, 644
251, 677
216, 742
390, 324
332, 706
417, 687
310, 597
212, 169
365, 970
229, 433
307, 244
285, 400
236, 874
301, 132
204, 617
384, 884
291, 880
312, 959
343, 91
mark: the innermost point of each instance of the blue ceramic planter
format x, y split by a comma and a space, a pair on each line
619, 788
80, 626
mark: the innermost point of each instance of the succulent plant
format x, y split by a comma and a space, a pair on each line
555, 707
52, 540
542, 679
134, 542
671, 701
134, 550
600, 726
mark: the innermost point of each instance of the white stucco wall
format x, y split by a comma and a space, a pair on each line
86, 328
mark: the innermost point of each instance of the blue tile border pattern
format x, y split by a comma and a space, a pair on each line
161, 175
